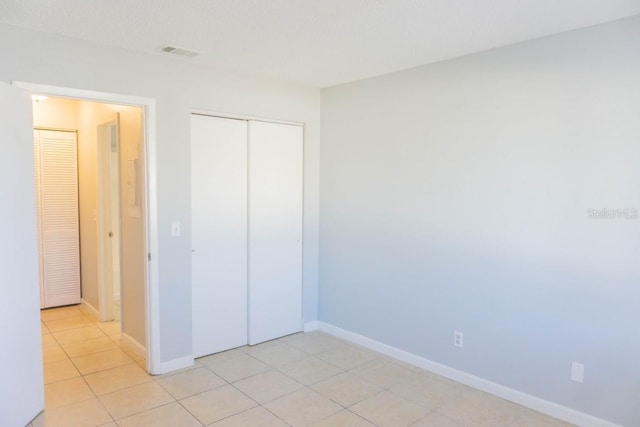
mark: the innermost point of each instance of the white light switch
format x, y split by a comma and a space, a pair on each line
577, 372
175, 228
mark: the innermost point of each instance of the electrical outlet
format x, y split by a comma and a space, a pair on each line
577, 372
458, 338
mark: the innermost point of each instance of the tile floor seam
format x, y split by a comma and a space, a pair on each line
353, 367
133, 413
313, 391
234, 415
274, 414
106, 410
316, 392
142, 412
363, 399
243, 378
390, 390
157, 380
429, 413
262, 404
361, 417
99, 370
319, 381
179, 402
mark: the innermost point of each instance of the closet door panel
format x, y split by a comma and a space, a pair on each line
219, 233
58, 214
275, 230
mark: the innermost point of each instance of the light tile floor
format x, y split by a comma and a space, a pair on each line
301, 380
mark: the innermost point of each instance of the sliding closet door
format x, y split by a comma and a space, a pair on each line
275, 230
218, 233
57, 195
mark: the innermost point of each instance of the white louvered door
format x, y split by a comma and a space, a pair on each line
57, 196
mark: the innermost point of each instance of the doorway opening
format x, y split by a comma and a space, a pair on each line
85, 199
141, 197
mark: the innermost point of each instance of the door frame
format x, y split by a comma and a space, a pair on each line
105, 287
149, 148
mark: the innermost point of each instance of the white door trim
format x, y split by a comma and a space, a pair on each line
105, 287
151, 195
199, 112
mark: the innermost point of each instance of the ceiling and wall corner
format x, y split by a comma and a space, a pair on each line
317, 43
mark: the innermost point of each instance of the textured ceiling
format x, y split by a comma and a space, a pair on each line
315, 42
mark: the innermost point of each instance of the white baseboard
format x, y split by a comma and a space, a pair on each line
133, 344
175, 364
311, 326
532, 402
90, 310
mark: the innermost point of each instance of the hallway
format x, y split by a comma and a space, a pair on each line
83, 359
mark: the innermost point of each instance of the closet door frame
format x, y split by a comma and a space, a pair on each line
200, 112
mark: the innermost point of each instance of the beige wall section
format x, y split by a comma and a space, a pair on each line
56, 113
90, 114
132, 230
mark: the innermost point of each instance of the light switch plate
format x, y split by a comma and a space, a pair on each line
175, 228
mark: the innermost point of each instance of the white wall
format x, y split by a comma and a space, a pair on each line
178, 87
22, 390
455, 196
